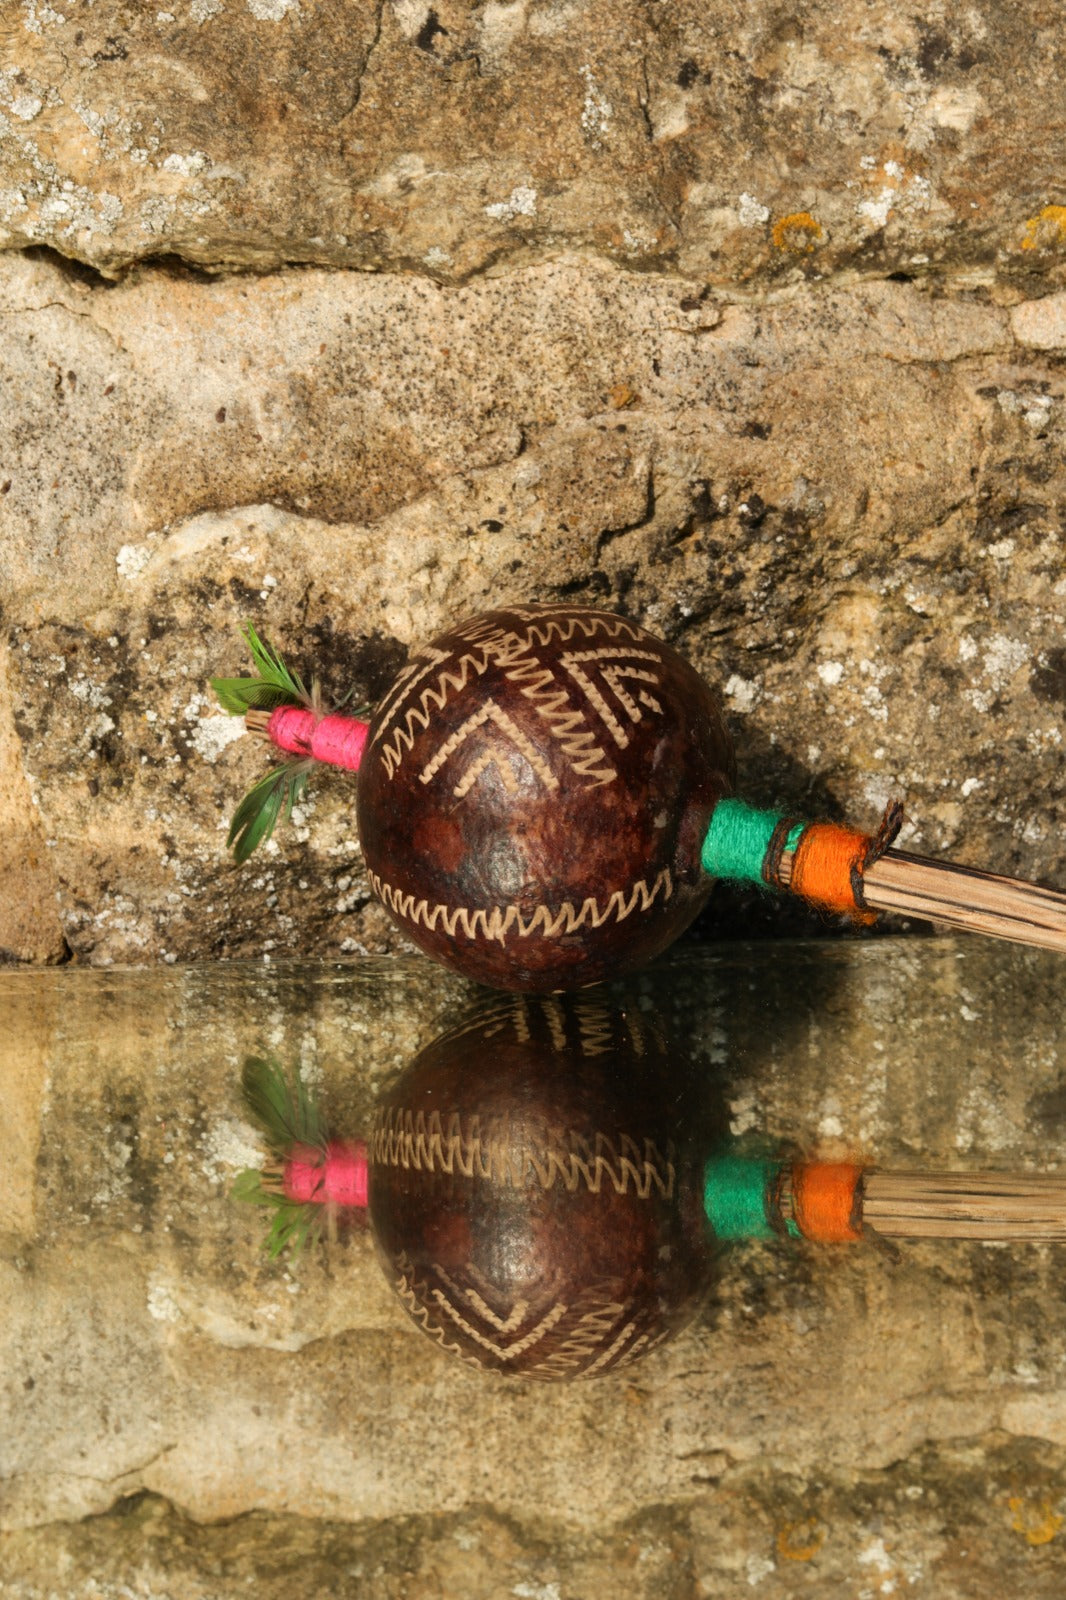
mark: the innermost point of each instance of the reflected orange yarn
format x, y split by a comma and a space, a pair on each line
824, 1196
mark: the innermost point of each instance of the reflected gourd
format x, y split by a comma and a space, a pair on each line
534, 1189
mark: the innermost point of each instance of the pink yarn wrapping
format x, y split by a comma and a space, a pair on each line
340, 1180
337, 740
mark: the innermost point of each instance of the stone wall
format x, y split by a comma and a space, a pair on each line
746, 321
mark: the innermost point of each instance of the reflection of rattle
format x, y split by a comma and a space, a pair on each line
541, 1198
544, 801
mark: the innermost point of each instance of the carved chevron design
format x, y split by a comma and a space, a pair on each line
593, 1341
504, 922
408, 1296
510, 1351
584, 1341
434, 1143
613, 666
451, 679
489, 712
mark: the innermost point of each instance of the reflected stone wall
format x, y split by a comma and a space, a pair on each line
152, 1348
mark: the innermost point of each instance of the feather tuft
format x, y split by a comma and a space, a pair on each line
286, 1110
289, 1115
275, 683
293, 1224
272, 797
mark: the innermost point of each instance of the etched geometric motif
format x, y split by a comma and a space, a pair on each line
490, 711
574, 1339
498, 1342
565, 723
434, 677
585, 1342
447, 677
584, 664
504, 922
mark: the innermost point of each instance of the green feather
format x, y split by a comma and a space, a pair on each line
276, 684
284, 1107
273, 796
293, 1224
289, 1114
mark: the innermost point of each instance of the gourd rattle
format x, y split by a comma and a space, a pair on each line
544, 799
548, 1190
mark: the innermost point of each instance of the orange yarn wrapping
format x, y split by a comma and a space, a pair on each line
827, 1202
828, 865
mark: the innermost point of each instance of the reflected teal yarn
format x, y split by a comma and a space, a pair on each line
735, 1192
738, 839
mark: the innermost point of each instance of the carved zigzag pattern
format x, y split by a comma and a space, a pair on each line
406, 1293
595, 1024
431, 1143
491, 1020
451, 680
595, 1028
504, 922
566, 723
564, 624
583, 1343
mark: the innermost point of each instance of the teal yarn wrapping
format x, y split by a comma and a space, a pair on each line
736, 1193
738, 839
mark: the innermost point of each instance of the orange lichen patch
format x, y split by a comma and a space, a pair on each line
798, 232
622, 396
800, 1541
1047, 227
1037, 1520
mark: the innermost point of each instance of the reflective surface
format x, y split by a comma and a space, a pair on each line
150, 1345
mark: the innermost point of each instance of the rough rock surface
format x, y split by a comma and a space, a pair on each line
844, 504
834, 1422
740, 143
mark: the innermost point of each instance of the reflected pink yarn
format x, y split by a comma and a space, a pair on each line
340, 1180
337, 740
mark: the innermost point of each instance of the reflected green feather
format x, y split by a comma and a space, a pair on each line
289, 1115
293, 1225
286, 1110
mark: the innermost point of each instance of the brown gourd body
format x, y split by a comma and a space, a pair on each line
534, 794
534, 1190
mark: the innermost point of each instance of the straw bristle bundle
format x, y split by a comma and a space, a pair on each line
1019, 1207
963, 897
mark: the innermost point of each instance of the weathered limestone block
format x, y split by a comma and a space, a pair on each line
843, 504
741, 144
29, 917
148, 1344
949, 1522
